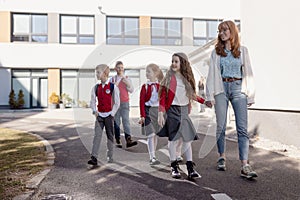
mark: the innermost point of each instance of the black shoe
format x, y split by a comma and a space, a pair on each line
174, 170
93, 161
118, 143
221, 164
130, 143
191, 172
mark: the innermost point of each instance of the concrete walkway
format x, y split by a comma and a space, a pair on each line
70, 133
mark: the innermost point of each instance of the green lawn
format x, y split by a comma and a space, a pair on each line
21, 157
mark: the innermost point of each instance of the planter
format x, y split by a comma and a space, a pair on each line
52, 106
62, 106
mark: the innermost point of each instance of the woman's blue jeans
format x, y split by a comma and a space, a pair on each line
232, 93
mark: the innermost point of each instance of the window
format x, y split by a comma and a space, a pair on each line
205, 31
77, 29
166, 31
122, 30
29, 27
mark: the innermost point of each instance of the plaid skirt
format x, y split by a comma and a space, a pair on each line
151, 125
178, 124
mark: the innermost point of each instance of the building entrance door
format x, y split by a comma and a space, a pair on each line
39, 97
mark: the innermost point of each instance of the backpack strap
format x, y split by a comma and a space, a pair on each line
96, 89
111, 85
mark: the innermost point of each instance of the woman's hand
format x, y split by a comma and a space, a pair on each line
161, 119
142, 120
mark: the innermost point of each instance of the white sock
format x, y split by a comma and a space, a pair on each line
178, 147
151, 145
172, 150
187, 149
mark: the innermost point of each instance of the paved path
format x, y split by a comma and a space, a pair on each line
131, 177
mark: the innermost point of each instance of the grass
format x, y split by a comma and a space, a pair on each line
21, 157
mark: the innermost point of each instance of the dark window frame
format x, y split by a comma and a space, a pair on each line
77, 35
122, 36
30, 34
166, 37
208, 38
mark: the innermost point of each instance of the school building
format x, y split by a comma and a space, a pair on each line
53, 46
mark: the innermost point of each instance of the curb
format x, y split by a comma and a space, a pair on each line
34, 182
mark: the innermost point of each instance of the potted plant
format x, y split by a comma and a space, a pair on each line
12, 99
53, 100
66, 100
20, 100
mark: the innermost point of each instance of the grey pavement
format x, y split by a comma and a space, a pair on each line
70, 131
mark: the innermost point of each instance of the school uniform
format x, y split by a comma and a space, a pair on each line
174, 102
105, 99
149, 107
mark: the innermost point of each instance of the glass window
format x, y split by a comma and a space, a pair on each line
166, 31
77, 29
39, 24
68, 25
122, 30
205, 31
29, 28
199, 28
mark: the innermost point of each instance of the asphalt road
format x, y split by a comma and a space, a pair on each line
131, 176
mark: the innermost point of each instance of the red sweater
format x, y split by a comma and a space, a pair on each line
124, 96
145, 96
105, 100
165, 101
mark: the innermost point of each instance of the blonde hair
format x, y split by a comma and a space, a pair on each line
158, 73
186, 72
102, 67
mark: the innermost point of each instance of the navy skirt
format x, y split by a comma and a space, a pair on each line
178, 124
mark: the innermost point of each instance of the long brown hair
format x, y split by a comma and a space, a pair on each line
186, 72
234, 40
158, 73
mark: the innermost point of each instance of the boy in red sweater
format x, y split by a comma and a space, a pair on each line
105, 102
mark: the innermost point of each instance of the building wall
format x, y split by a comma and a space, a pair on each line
271, 33
5, 26
54, 81
272, 40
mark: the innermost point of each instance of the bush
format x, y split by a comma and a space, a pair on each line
19, 103
12, 99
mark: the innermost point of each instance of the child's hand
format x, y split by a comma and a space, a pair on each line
161, 119
96, 114
208, 104
142, 120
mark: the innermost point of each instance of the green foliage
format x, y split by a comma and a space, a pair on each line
12, 99
19, 103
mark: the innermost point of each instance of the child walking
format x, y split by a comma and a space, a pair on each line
176, 93
149, 109
105, 102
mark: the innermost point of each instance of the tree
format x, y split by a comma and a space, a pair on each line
12, 99
20, 101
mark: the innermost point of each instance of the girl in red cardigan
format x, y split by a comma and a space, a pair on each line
175, 95
149, 109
